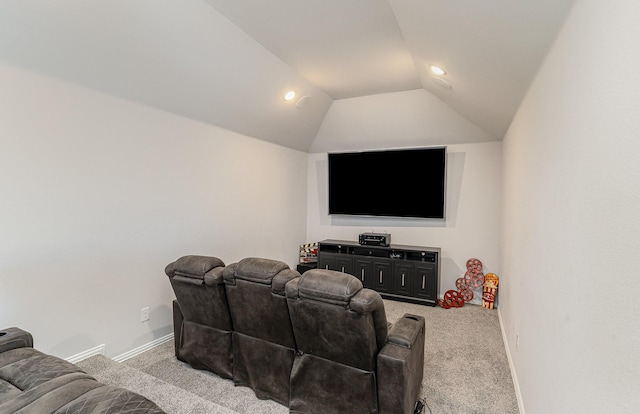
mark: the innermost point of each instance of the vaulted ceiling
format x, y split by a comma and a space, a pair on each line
229, 62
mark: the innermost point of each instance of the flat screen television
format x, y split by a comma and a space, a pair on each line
391, 183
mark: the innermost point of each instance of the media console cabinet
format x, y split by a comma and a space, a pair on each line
405, 273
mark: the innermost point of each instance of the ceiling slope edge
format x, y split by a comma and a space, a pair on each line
408, 119
184, 58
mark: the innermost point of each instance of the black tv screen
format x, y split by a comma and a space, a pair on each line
393, 183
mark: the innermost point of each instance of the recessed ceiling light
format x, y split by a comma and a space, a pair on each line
289, 95
437, 70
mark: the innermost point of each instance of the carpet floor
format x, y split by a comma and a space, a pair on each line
466, 370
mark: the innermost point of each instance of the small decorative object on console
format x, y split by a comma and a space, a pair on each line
309, 253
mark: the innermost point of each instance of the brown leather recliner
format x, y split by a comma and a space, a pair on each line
201, 319
347, 361
263, 341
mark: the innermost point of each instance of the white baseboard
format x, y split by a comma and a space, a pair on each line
137, 351
98, 350
511, 366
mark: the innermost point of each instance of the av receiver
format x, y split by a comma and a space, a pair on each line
374, 239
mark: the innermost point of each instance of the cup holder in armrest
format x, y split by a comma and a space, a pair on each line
412, 317
11, 338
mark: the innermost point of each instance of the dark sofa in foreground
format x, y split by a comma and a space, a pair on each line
35, 383
316, 343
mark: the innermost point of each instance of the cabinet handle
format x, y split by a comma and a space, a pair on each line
423, 282
362, 274
381, 277
342, 269
403, 280
326, 267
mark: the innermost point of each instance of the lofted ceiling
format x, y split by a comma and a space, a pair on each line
228, 62
490, 49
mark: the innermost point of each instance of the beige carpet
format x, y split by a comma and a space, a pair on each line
466, 370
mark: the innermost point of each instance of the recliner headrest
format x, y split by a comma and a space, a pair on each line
255, 270
193, 266
328, 286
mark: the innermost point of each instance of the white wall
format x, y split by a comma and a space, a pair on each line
99, 194
571, 229
414, 118
471, 228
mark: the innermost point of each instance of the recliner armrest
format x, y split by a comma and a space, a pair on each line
13, 338
405, 331
400, 366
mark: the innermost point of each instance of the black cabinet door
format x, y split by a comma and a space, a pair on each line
327, 261
425, 281
363, 270
344, 264
336, 261
381, 275
402, 279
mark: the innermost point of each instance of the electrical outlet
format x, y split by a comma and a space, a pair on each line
144, 314
517, 341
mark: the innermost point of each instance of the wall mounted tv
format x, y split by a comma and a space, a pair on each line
392, 183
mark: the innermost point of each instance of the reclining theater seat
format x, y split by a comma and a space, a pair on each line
36, 383
347, 361
201, 320
263, 342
